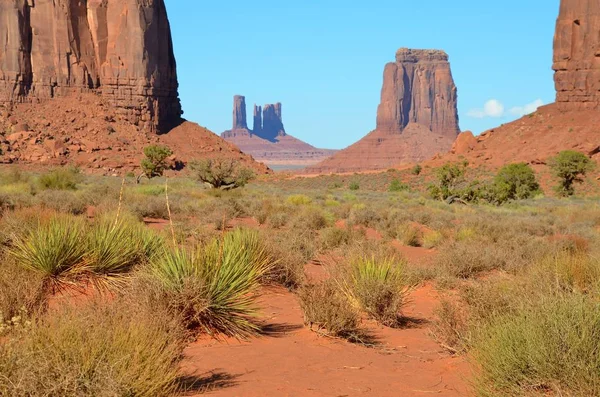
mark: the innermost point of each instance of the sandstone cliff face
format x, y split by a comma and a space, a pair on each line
417, 117
120, 49
577, 55
418, 88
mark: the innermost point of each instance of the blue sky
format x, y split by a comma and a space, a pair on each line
324, 59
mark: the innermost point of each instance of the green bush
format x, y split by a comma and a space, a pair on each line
155, 162
417, 169
222, 173
570, 167
299, 199
354, 186
60, 179
103, 350
450, 177
514, 182
397, 186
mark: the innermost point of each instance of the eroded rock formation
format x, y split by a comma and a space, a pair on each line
120, 49
239, 113
268, 141
418, 88
417, 117
272, 122
577, 54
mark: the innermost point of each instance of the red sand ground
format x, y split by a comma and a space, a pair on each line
291, 360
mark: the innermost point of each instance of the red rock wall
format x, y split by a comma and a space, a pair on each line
121, 49
577, 54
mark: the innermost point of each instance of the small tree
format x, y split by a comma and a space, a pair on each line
417, 169
514, 182
221, 173
450, 176
397, 186
155, 162
570, 167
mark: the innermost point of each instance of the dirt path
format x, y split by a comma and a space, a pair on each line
290, 360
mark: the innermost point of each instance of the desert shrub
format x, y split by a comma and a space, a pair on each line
54, 248
568, 271
62, 201
354, 185
550, 347
214, 288
310, 218
432, 239
363, 216
397, 186
155, 161
103, 350
416, 170
449, 177
409, 235
278, 219
221, 173
60, 179
21, 295
292, 251
450, 326
569, 167
114, 245
376, 286
151, 206
299, 199
514, 182
329, 310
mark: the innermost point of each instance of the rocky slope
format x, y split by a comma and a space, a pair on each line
83, 80
571, 123
416, 118
268, 142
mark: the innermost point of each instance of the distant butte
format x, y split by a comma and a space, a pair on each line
268, 141
416, 118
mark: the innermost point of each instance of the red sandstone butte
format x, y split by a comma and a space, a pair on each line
416, 118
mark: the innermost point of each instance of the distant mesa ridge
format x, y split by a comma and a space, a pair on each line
268, 140
417, 116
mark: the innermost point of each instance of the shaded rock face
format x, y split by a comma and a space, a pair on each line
119, 49
577, 55
419, 88
239, 113
257, 128
272, 122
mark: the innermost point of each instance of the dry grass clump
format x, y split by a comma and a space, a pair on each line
22, 295
107, 349
334, 237
363, 216
409, 235
310, 218
550, 347
377, 286
64, 201
327, 310
292, 251
214, 287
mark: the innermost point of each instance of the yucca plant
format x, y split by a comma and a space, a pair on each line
54, 248
214, 288
377, 286
115, 246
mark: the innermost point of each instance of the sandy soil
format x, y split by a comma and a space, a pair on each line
291, 360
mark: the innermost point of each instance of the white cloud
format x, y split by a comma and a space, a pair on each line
527, 109
492, 108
